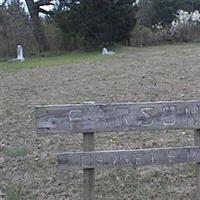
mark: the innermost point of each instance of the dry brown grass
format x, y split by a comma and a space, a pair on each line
135, 74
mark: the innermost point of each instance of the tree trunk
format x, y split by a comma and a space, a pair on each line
39, 33
38, 29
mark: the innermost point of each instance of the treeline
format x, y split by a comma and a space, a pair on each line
94, 23
161, 21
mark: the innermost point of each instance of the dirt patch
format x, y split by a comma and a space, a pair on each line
29, 170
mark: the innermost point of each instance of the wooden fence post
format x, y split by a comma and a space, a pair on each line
89, 174
197, 143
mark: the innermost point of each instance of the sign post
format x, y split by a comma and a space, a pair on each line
88, 173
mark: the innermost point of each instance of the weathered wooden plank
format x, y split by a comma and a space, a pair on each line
128, 158
80, 118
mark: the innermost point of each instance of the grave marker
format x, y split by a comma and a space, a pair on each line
20, 54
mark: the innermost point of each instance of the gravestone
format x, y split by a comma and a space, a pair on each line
105, 52
20, 55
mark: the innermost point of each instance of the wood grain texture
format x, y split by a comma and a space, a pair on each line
128, 158
78, 118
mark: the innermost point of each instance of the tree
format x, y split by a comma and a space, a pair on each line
15, 29
145, 13
34, 9
97, 22
164, 10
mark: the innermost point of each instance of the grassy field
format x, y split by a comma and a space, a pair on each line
28, 169
52, 60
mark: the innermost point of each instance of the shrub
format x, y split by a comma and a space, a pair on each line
147, 36
186, 26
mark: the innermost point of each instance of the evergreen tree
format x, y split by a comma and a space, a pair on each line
97, 22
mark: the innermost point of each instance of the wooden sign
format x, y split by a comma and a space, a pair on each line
128, 158
77, 118
90, 118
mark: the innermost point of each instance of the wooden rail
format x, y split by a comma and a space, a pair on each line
128, 158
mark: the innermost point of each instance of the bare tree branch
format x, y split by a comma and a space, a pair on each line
38, 29
45, 11
44, 3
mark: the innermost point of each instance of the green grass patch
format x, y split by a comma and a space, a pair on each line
13, 192
52, 60
15, 152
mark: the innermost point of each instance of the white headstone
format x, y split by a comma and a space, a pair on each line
105, 52
20, 55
